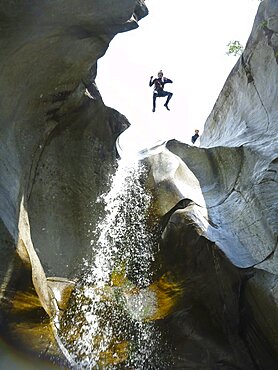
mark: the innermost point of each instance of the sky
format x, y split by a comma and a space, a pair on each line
188, 40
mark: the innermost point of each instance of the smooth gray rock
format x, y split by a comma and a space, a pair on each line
56, 135
235, 171
237, 164
240, 225
52, 134
246, 114
57, 151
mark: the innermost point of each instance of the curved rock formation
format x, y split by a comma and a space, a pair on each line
48, 59
57, 137
217, 203
230, 184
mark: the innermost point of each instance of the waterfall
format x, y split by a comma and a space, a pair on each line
109, 322
123, 232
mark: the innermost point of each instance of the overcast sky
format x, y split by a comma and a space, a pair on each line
188, 40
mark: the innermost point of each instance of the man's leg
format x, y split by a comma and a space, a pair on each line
154, 103
169, 96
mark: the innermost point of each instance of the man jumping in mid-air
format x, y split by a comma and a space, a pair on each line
159, 89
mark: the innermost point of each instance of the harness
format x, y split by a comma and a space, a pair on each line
158, 85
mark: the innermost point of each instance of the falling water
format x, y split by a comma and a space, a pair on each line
109, 324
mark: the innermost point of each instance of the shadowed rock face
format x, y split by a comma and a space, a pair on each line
57, 143
51, 133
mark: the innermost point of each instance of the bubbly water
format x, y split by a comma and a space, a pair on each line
123, 232
109, 322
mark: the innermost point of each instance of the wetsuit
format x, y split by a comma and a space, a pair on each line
159, 90
194, 138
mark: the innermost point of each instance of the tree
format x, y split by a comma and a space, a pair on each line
234, 48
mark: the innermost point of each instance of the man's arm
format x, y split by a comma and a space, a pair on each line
151, 81
167, 80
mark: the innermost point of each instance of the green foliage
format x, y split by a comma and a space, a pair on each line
263, 24
234, 48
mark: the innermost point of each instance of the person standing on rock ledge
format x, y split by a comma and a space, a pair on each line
159, 89
195, 137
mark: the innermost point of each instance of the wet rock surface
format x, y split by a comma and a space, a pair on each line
51, 132
204, 329
57, 137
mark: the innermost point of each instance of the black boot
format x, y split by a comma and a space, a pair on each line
154, 102
167, 101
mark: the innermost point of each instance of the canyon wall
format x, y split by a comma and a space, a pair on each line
217, 203
227, 189
57, 137
57, 144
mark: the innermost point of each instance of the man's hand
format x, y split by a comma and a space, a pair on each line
151, 77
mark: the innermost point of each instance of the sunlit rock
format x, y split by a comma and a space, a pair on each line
245, 116
236, 171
